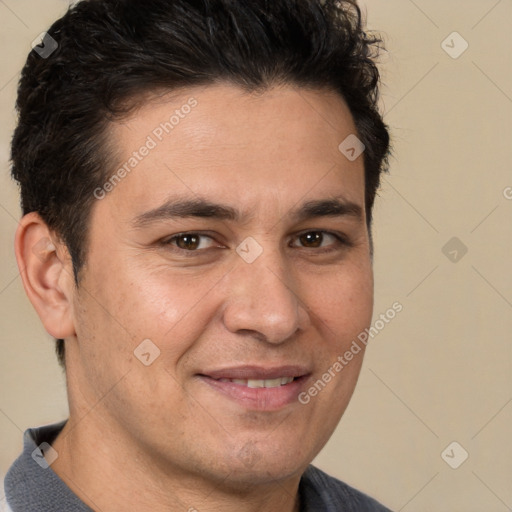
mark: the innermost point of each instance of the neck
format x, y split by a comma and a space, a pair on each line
108, 472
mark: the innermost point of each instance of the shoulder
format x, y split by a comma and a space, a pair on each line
4, 507
321, 492
31, 484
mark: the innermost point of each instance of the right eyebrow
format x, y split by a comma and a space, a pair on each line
183, 208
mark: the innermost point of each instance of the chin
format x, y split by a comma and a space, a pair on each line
255, 465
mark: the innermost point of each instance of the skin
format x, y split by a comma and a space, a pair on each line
160, 436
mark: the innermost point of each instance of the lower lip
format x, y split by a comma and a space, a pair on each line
260, 399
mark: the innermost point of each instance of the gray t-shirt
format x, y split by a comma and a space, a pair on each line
32, 486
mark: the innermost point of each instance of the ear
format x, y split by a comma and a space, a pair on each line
47, 274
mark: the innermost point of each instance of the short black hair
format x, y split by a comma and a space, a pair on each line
110, 53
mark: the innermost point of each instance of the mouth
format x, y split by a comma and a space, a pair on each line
256, 388
259, 383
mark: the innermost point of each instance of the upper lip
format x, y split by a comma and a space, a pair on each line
257, 372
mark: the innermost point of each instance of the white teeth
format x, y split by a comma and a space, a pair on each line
256, 383
272, 383
266, 383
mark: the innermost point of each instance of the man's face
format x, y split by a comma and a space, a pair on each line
233, 302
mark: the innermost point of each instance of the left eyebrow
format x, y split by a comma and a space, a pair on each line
336, 207
202, 208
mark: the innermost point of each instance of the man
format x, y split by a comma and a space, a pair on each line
197, 180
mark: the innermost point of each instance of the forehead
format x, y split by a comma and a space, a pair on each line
221, 141
237, 113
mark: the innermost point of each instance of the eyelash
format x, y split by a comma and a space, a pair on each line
340, 241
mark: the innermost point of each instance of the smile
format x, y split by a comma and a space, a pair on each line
258, 383
258, 388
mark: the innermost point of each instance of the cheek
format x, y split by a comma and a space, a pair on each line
344, 307
343, 303
168, 307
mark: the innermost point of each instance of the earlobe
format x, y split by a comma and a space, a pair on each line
47, 274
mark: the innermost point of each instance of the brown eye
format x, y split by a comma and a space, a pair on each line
312, 239
321, 241
190, 242
187, 242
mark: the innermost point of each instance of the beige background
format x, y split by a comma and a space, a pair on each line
441, 371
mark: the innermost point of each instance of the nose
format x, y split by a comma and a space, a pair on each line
262, 300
